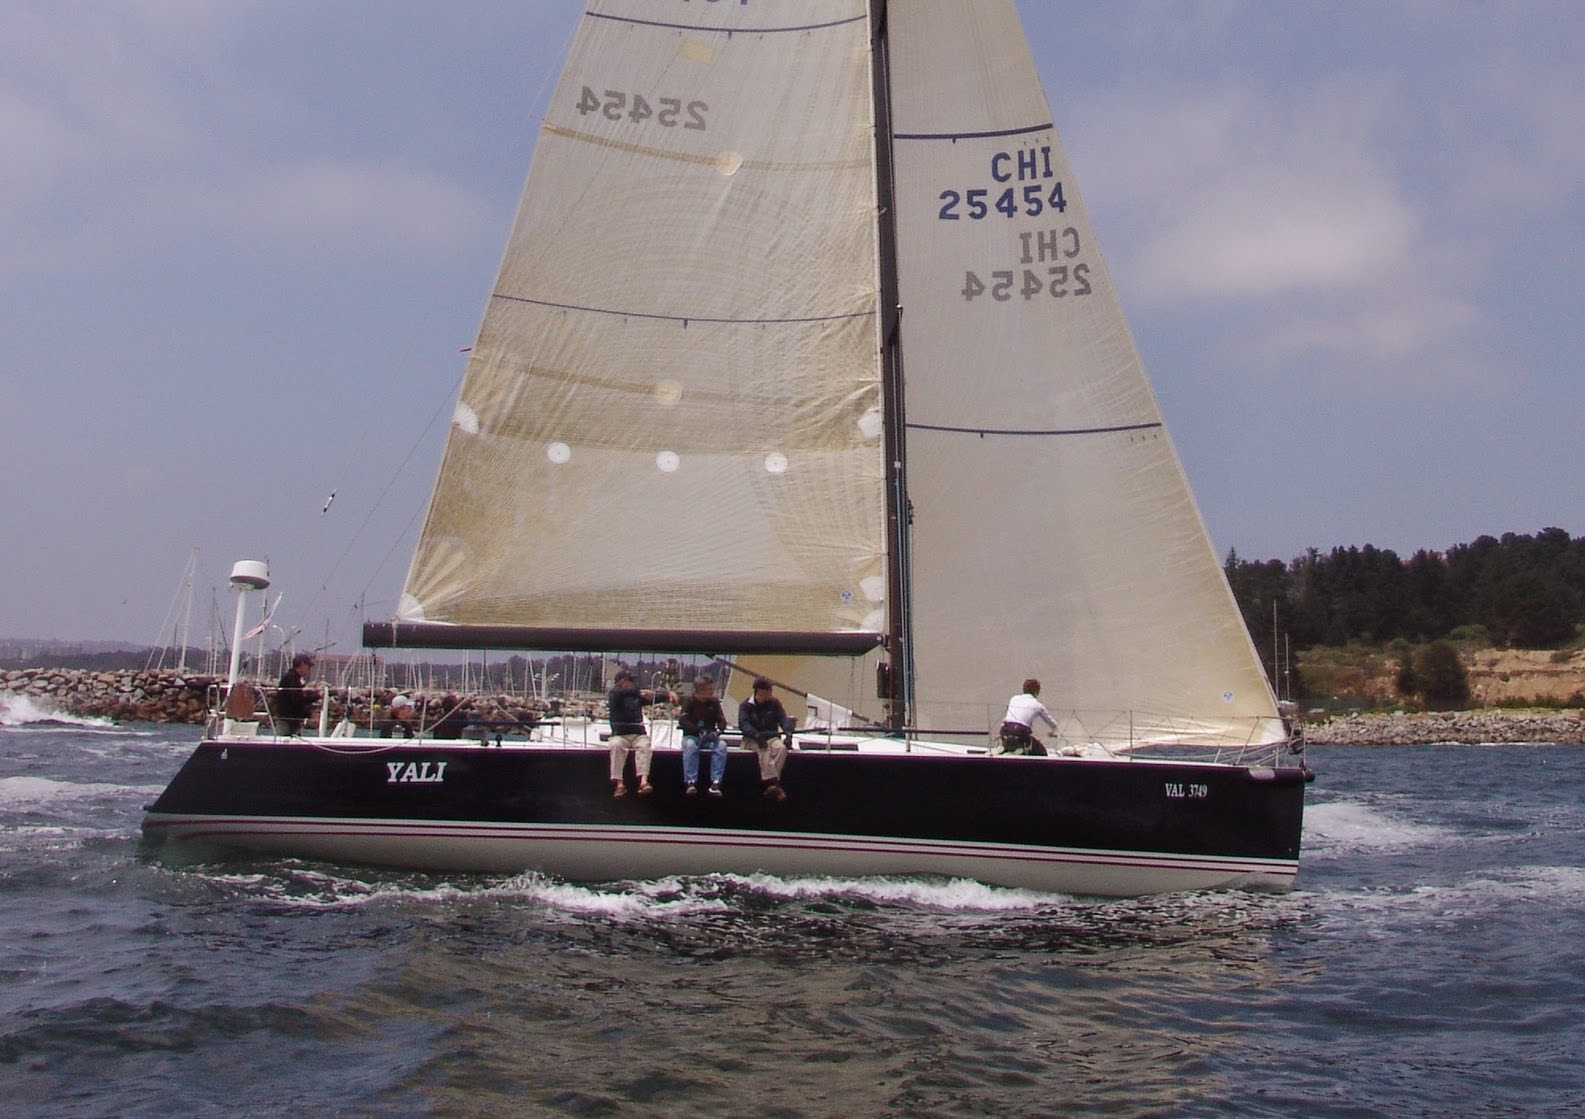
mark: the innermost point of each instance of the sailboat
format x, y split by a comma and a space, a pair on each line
803, 355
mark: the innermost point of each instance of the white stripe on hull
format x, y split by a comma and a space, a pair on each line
593, 853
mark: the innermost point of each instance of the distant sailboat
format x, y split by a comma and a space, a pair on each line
803, 353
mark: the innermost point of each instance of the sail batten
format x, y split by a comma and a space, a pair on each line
671, 25
983, 134
682, 318
1050, 431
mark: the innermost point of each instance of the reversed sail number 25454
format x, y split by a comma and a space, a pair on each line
617, 104
1063, 280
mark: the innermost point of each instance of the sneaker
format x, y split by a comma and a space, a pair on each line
645, 788
690, 790
775, 792
619, 790
715, 790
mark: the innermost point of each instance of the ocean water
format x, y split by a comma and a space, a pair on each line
1431, 962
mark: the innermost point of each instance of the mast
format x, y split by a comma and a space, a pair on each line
899, 643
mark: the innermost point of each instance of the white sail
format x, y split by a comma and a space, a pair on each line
671, 419
1054, 534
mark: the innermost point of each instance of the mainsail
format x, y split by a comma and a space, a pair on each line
672, 418
675, 422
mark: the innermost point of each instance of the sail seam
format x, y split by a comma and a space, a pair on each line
1034, 431
702, 160
1047, 127
726, 30
684, 319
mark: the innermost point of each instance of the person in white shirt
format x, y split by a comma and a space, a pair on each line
1018, 725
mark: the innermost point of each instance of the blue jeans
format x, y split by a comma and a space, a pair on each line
690, 756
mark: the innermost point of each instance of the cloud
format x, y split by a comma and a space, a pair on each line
300, 205
1272, 229
128, 126
1300, 218
1242, 198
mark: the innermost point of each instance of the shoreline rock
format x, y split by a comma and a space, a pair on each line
165, 696
1487, 726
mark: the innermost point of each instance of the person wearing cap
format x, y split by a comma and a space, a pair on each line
293, 701
766, 727
629, 735
1018, 725
399, 718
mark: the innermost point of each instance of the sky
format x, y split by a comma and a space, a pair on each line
244, 244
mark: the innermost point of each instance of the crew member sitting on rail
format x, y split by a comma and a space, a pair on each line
702, 722
766, 727
1018, 725
629, 735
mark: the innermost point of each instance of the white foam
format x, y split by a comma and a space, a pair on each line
1484, 896
26, 791
953, 895
660, 899
1340, 826
22, 710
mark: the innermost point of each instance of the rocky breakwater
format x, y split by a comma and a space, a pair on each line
147, 695
1492, 725
166, 696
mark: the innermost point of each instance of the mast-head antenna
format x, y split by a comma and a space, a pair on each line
250, 575
246, 575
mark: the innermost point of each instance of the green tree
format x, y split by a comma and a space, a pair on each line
1444, 682
1407, 680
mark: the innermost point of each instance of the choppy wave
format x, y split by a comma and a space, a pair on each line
675, 896
1345, 826
25, 711
27, 792
808, 914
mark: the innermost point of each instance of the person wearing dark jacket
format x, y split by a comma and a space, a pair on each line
453, 718
765, 726
702, 722
293, 701
629, 735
